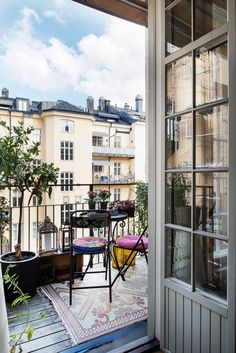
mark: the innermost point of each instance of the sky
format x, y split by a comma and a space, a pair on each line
59, 49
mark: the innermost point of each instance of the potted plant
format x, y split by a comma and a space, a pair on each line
19, 171
92, 198
126, 206
103, 197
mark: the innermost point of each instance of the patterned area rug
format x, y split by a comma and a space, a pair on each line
92, 315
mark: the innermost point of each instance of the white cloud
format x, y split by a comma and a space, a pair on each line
54, 15
111, 65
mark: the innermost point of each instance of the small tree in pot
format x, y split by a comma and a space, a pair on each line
19, 171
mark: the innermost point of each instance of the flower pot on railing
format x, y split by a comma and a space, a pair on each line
92, 205
103, 205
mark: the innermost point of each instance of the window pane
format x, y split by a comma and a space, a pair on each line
178, 26
212, 137
211, 265
179, 255
179, 142
178, 199
209, 15
211, 202
211, 74
179, 85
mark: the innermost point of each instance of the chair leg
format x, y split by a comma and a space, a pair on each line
109, 274
71, 276
89, 265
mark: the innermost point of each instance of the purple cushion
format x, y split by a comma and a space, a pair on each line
89, 244
129, 241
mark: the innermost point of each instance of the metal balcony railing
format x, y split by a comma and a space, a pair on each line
59, 212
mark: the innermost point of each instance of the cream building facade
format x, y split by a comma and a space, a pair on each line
98, 149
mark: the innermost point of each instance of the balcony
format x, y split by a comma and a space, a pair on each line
99, 178
50, 334
113, 151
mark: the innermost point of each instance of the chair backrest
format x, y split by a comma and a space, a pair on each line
90, 219
144, 232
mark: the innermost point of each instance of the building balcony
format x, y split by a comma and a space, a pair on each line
109, 179
50, 333
113, 151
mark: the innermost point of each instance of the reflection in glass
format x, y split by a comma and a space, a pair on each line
209, 15
168, 2
178, 26
179, 85
211, 195
211, 265
179, 142
178, 199
211, 74
179, 255
212, 137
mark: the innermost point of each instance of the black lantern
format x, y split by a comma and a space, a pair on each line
49, 232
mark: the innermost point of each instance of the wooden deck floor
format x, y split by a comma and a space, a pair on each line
49, 334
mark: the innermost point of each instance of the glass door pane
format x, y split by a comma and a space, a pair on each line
212, 137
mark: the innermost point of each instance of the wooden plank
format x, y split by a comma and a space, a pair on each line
187, 325
58, 347
34, 316
119, 9
23, 310
47, 330
45, 341
205, 330
196, 325
179, 323
172, 321
224, 335
166, 317
36, 324
215, 332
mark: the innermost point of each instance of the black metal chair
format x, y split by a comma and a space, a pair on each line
90, 245
136, 244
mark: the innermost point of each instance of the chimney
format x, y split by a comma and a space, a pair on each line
90, 104
139, 103
5, 93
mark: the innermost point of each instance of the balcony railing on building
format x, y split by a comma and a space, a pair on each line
58, 212
117, 179
113, 151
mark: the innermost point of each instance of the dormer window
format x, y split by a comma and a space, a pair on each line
22, 104
67, 126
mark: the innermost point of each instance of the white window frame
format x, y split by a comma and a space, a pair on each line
36, 135
67, 151
16, 197
97, 141
67, 178
117, 141
67, 126
117, 169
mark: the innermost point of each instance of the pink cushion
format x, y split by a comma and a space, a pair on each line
129, 241
89, 244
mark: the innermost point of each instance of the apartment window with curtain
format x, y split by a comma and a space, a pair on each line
67, 180
197, 156
67, 151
